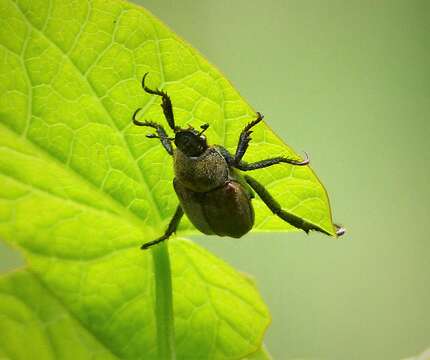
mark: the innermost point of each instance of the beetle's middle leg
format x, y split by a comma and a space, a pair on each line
276, 208
171, 228
244, 166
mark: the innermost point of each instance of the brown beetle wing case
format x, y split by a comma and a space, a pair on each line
224, 211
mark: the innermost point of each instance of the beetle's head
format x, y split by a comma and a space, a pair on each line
190, 141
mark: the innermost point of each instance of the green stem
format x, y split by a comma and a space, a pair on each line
164, 302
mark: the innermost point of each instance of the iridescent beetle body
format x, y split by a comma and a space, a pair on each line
212, 195
212, 192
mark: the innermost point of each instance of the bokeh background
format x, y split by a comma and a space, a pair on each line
349, 82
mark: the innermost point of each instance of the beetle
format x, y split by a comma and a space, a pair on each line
211, 189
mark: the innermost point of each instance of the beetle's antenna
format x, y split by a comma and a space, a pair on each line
204, 127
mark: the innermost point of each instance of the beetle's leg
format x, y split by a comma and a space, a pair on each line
274, 206
171, 228
244, 138
165, 140
242, 165
340, 230
166, 103
226, 154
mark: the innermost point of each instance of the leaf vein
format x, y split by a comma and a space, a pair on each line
109, 116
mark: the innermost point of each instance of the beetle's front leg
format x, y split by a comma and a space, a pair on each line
290, 218
166, 103
162, 135
244, 138
242, 165
242, 146
171, 228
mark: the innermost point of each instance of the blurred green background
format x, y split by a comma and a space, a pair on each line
349, 82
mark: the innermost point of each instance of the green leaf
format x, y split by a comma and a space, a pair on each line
217, 311
30, 315
81, 187
423, 356
260, 354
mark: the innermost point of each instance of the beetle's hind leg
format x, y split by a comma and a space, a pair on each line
171, 228
274, 206
166, 103
162, 135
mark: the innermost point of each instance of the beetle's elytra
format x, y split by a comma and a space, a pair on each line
212, 192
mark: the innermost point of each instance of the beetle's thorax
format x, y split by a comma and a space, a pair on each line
203, 173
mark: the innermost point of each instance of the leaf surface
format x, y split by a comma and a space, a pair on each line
109, 311
31, 315
81, 187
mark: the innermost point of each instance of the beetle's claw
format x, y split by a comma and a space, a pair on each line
340, 230
135, 121
304, 162
143, 79
307, 160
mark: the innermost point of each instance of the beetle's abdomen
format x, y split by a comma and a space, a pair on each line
225, 211
203, 173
